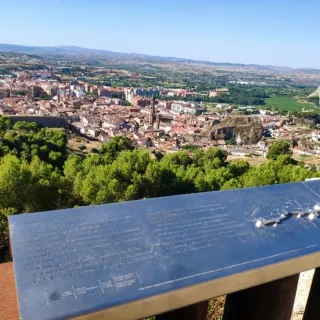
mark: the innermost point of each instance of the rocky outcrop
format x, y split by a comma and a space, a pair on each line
243, 130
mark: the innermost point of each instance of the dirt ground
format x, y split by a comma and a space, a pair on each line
82, 145
309, 160
254, 161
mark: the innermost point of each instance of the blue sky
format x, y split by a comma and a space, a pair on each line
278, 32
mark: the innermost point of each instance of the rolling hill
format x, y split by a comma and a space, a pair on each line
67, 52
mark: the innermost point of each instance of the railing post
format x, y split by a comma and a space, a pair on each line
312, 311
270, 301
196, 311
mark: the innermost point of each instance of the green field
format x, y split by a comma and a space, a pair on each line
288, 103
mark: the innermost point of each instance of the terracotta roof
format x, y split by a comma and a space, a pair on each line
8, 297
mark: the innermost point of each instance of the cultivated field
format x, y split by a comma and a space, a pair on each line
288, 103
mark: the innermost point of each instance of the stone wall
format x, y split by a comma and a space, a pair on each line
47, 121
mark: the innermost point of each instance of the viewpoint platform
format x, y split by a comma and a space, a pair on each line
138, 257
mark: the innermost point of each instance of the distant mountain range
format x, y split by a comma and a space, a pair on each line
67, 52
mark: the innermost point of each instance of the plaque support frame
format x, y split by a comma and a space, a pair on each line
196, 311
312, 307
245, 281
269, 301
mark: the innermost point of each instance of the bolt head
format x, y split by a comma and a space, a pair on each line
258, 223
311, 216
317, 208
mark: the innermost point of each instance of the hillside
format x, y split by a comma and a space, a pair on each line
66, 52
10, 57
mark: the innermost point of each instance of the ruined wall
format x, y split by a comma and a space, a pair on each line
43, 121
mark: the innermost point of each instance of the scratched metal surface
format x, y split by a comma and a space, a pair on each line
77, 261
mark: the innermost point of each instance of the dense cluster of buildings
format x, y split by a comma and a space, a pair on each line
103, 112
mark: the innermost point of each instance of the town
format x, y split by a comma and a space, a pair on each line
159, 160
152, 117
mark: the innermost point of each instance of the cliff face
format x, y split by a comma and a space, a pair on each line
244, 130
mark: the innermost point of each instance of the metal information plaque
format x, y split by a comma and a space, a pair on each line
76, 262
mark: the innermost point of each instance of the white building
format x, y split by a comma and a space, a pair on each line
186, 107
222, 106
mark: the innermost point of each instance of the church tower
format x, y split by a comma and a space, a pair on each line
152, 111
157, 124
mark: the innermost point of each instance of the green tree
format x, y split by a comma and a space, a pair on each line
176, 159
160, 180
24, 126
239, 167
279, 148
217, 178
233, 183
4, 232
72, 166
259, 176
13, 183
291, 173
114, 146
47, 188
213, 153
198, 157
5, 124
